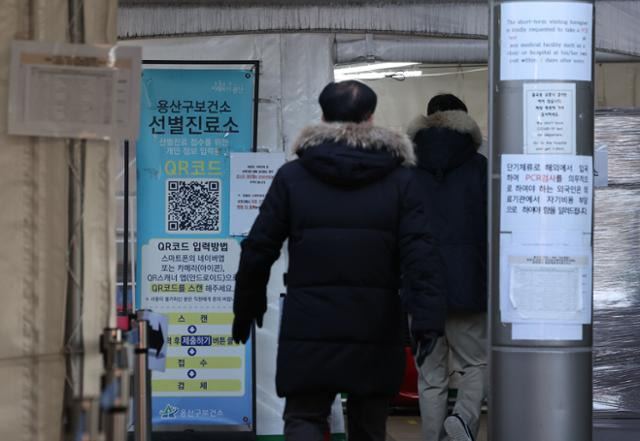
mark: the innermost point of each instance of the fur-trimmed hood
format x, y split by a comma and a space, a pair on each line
455, 120
444, 141
352, 155
363, 136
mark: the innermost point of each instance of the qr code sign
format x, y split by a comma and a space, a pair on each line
193, 206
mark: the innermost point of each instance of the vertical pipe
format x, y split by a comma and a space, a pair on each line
76, 157
256, 100
125, 245
74, 347
73, 322
142, 392
540, 380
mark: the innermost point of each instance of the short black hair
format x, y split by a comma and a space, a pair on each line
347, 101
444, 102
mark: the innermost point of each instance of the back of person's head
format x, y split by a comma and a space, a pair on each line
444, 102
347, 101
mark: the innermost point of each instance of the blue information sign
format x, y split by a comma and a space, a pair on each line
192, 118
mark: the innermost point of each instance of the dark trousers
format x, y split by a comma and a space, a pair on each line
306, 417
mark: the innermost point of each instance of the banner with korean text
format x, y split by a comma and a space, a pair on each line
192, 118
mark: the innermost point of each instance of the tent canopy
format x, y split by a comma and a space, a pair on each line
617, 21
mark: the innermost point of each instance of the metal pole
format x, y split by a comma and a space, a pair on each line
125, 245
540, 385
74, 346
73, 328
142, 383
116, 385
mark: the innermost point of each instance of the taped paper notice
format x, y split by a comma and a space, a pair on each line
546, 41
540, 192
545, 331
74, 91
545, 284
549, 118
541, 289
251, 177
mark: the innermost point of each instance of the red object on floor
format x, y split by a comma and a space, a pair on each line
122, 322
408, 395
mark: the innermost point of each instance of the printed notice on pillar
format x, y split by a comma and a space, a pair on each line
546, 41
549, 118
251, 177
546, 193
546, 283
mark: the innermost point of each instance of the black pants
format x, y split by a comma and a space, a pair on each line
306, 417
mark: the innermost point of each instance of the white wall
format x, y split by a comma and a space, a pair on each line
401, 101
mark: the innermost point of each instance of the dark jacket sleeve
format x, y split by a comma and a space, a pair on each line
260, 249
423, 286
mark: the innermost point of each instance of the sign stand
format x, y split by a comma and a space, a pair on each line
194, 115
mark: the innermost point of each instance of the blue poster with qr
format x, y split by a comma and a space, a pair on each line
191, 120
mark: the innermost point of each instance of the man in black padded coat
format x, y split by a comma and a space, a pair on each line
357, 236
452, 176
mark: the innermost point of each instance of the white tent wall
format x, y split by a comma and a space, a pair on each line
293, 70
616, 85
401, 101
33, 225
34, 230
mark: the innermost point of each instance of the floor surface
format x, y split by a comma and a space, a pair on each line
407, 428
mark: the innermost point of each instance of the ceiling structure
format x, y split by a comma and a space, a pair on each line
617, 21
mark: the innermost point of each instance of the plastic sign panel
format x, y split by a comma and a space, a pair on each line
546, 41
192, 119
74, 90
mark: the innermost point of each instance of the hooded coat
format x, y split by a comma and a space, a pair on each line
356, 236
452, 176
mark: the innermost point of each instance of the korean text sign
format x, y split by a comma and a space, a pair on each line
192, 119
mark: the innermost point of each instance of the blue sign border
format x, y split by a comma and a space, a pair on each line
250, 348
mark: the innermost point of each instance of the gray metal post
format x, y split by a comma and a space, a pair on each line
116, 383
540, 389
142, 383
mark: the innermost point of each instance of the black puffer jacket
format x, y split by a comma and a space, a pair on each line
453, 178
354, 228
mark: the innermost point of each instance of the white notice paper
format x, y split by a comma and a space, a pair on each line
545, 331
540, 192
549, 118
546, 41
251, 177
74, 91
70, 96
545, 284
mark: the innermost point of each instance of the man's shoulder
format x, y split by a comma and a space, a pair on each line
479, 160
290, 167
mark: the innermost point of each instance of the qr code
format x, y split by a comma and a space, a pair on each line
193, 206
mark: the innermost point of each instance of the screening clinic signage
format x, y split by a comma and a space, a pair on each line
193, 117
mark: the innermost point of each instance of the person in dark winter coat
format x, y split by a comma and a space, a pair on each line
356, 236
452, 176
